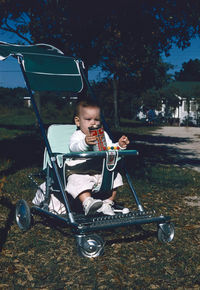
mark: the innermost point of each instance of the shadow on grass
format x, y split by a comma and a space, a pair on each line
142, 235
161, 153
60, 226
27, 150
54, 223
17, 127
28, 127
5, 202
159, 139
22, 151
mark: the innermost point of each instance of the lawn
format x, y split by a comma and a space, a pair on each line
45, 257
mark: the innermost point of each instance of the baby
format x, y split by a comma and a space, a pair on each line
82, 185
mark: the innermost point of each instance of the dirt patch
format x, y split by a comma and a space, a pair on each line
188, 148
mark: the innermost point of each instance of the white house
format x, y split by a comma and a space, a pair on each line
188, 109
182, 113
27, 101
187, 93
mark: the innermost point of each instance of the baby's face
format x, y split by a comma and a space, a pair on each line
88, 117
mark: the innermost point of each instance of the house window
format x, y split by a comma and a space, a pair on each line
193, 106
185, 106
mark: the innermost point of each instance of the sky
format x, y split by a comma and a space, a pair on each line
178, 56
11, 76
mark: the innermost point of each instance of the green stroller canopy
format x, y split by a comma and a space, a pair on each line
46, 67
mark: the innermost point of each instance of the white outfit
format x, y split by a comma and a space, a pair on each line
55, 205
78, 183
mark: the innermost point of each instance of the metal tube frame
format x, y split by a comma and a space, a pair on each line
52, 157
71, 221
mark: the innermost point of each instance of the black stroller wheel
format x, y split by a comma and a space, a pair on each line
23, 215
165, 232
90, 246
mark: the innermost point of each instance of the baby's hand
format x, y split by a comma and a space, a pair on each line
90, 140
123, 142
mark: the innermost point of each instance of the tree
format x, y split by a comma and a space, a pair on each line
169, 96
143, 86
12, 97
125, 37
190, 71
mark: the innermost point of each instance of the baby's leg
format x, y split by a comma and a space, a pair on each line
113, 195
107, 207
90, 205
111, 208
80, 185
84, 195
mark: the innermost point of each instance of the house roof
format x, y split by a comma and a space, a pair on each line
183, 88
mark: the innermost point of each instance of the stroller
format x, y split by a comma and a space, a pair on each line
46, 68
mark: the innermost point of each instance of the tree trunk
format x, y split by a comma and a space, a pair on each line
188, 110
132, 108
38, 104
115, 100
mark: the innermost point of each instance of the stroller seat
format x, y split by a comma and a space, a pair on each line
59, 137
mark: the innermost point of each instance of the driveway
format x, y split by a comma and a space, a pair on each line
187, 143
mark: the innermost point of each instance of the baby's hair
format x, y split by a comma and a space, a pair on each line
87, 102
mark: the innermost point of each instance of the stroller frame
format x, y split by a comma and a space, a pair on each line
84, 227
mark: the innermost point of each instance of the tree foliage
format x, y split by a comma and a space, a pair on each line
169, 97
12, 97
124, 37
190, 71
113, 32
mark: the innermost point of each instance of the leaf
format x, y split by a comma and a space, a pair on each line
29, 276
116, 278
11, 270
153, 286
191, 227
169, 270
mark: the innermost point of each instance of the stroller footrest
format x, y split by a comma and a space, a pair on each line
84, 224
118, 220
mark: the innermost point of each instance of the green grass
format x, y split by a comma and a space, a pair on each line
131, 126
45, 257
172, 177
17, 117
6, 133
25, 117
